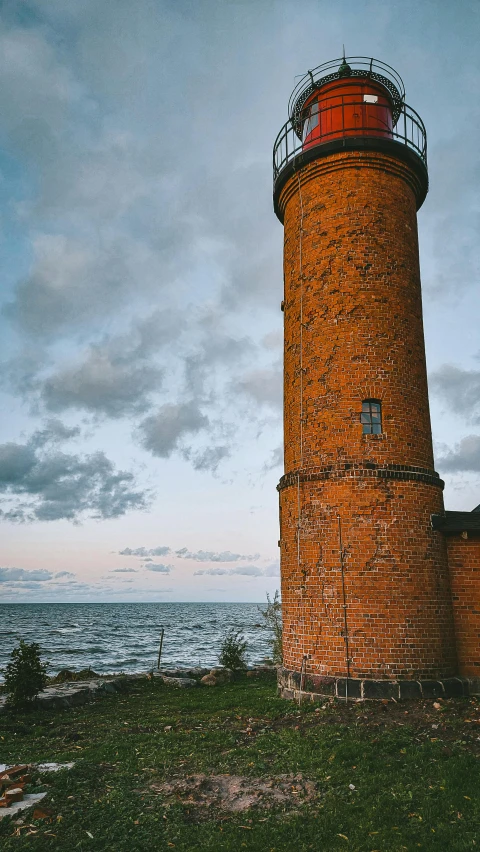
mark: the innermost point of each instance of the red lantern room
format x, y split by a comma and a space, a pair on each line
350, 104
357, 102
347, 107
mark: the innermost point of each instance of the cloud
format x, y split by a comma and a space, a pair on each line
272, 570
264, 386
61, 574
213, 555
44, 484
116, 215
183, 553
124, 571
273, 340
19, 584
276, 459
159, 567
21, 575
38, 90
119, 220
143, 551
459, 389
104, 383
216, 348
54, 432
74, 280
253, 571
248, 570
16, 463
245, 570
216, 572
208, 459
115, 377
161, 432
464, 457
453, 219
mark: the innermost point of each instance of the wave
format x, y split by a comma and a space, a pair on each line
92, 635
67, 651
72, 629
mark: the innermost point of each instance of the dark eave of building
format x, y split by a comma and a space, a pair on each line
452, 523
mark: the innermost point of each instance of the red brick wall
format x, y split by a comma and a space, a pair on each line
353, 278
464, 564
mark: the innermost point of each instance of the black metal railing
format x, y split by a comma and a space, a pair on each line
408, 130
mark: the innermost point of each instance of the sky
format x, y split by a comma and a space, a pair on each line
141, 279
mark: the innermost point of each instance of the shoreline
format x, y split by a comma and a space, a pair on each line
68, 693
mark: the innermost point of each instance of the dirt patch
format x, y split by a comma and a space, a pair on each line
237, 792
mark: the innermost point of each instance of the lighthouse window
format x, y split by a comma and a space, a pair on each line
312, 120
371, 417
370, 99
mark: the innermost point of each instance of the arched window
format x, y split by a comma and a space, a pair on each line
371, 417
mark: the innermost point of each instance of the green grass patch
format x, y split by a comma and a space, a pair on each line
387, 778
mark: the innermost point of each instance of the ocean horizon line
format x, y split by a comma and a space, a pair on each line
112, 603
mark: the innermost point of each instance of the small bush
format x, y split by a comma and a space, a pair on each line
273, 616
67, 675
233, 649
25, 675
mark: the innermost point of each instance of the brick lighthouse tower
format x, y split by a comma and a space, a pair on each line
366, 599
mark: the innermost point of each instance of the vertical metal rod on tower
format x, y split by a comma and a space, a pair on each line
345, 622
302, 678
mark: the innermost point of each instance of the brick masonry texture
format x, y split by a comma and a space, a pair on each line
354, 331
464, 563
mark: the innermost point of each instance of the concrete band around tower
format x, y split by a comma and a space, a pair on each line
366, 587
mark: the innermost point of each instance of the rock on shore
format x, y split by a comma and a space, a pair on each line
72, 693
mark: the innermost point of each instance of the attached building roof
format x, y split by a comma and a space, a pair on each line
457, 522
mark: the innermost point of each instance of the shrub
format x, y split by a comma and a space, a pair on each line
67, 676
25, 675
273, 616
233, 649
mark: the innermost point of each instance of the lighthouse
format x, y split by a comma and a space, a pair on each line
366, 590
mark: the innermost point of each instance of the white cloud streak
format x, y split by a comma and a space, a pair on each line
272, 570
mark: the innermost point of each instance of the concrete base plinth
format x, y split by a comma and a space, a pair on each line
312, 687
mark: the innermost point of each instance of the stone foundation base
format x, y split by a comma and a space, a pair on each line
318, 687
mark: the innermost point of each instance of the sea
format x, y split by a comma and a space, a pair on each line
125, 637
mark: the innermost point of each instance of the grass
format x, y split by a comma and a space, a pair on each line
415, 786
